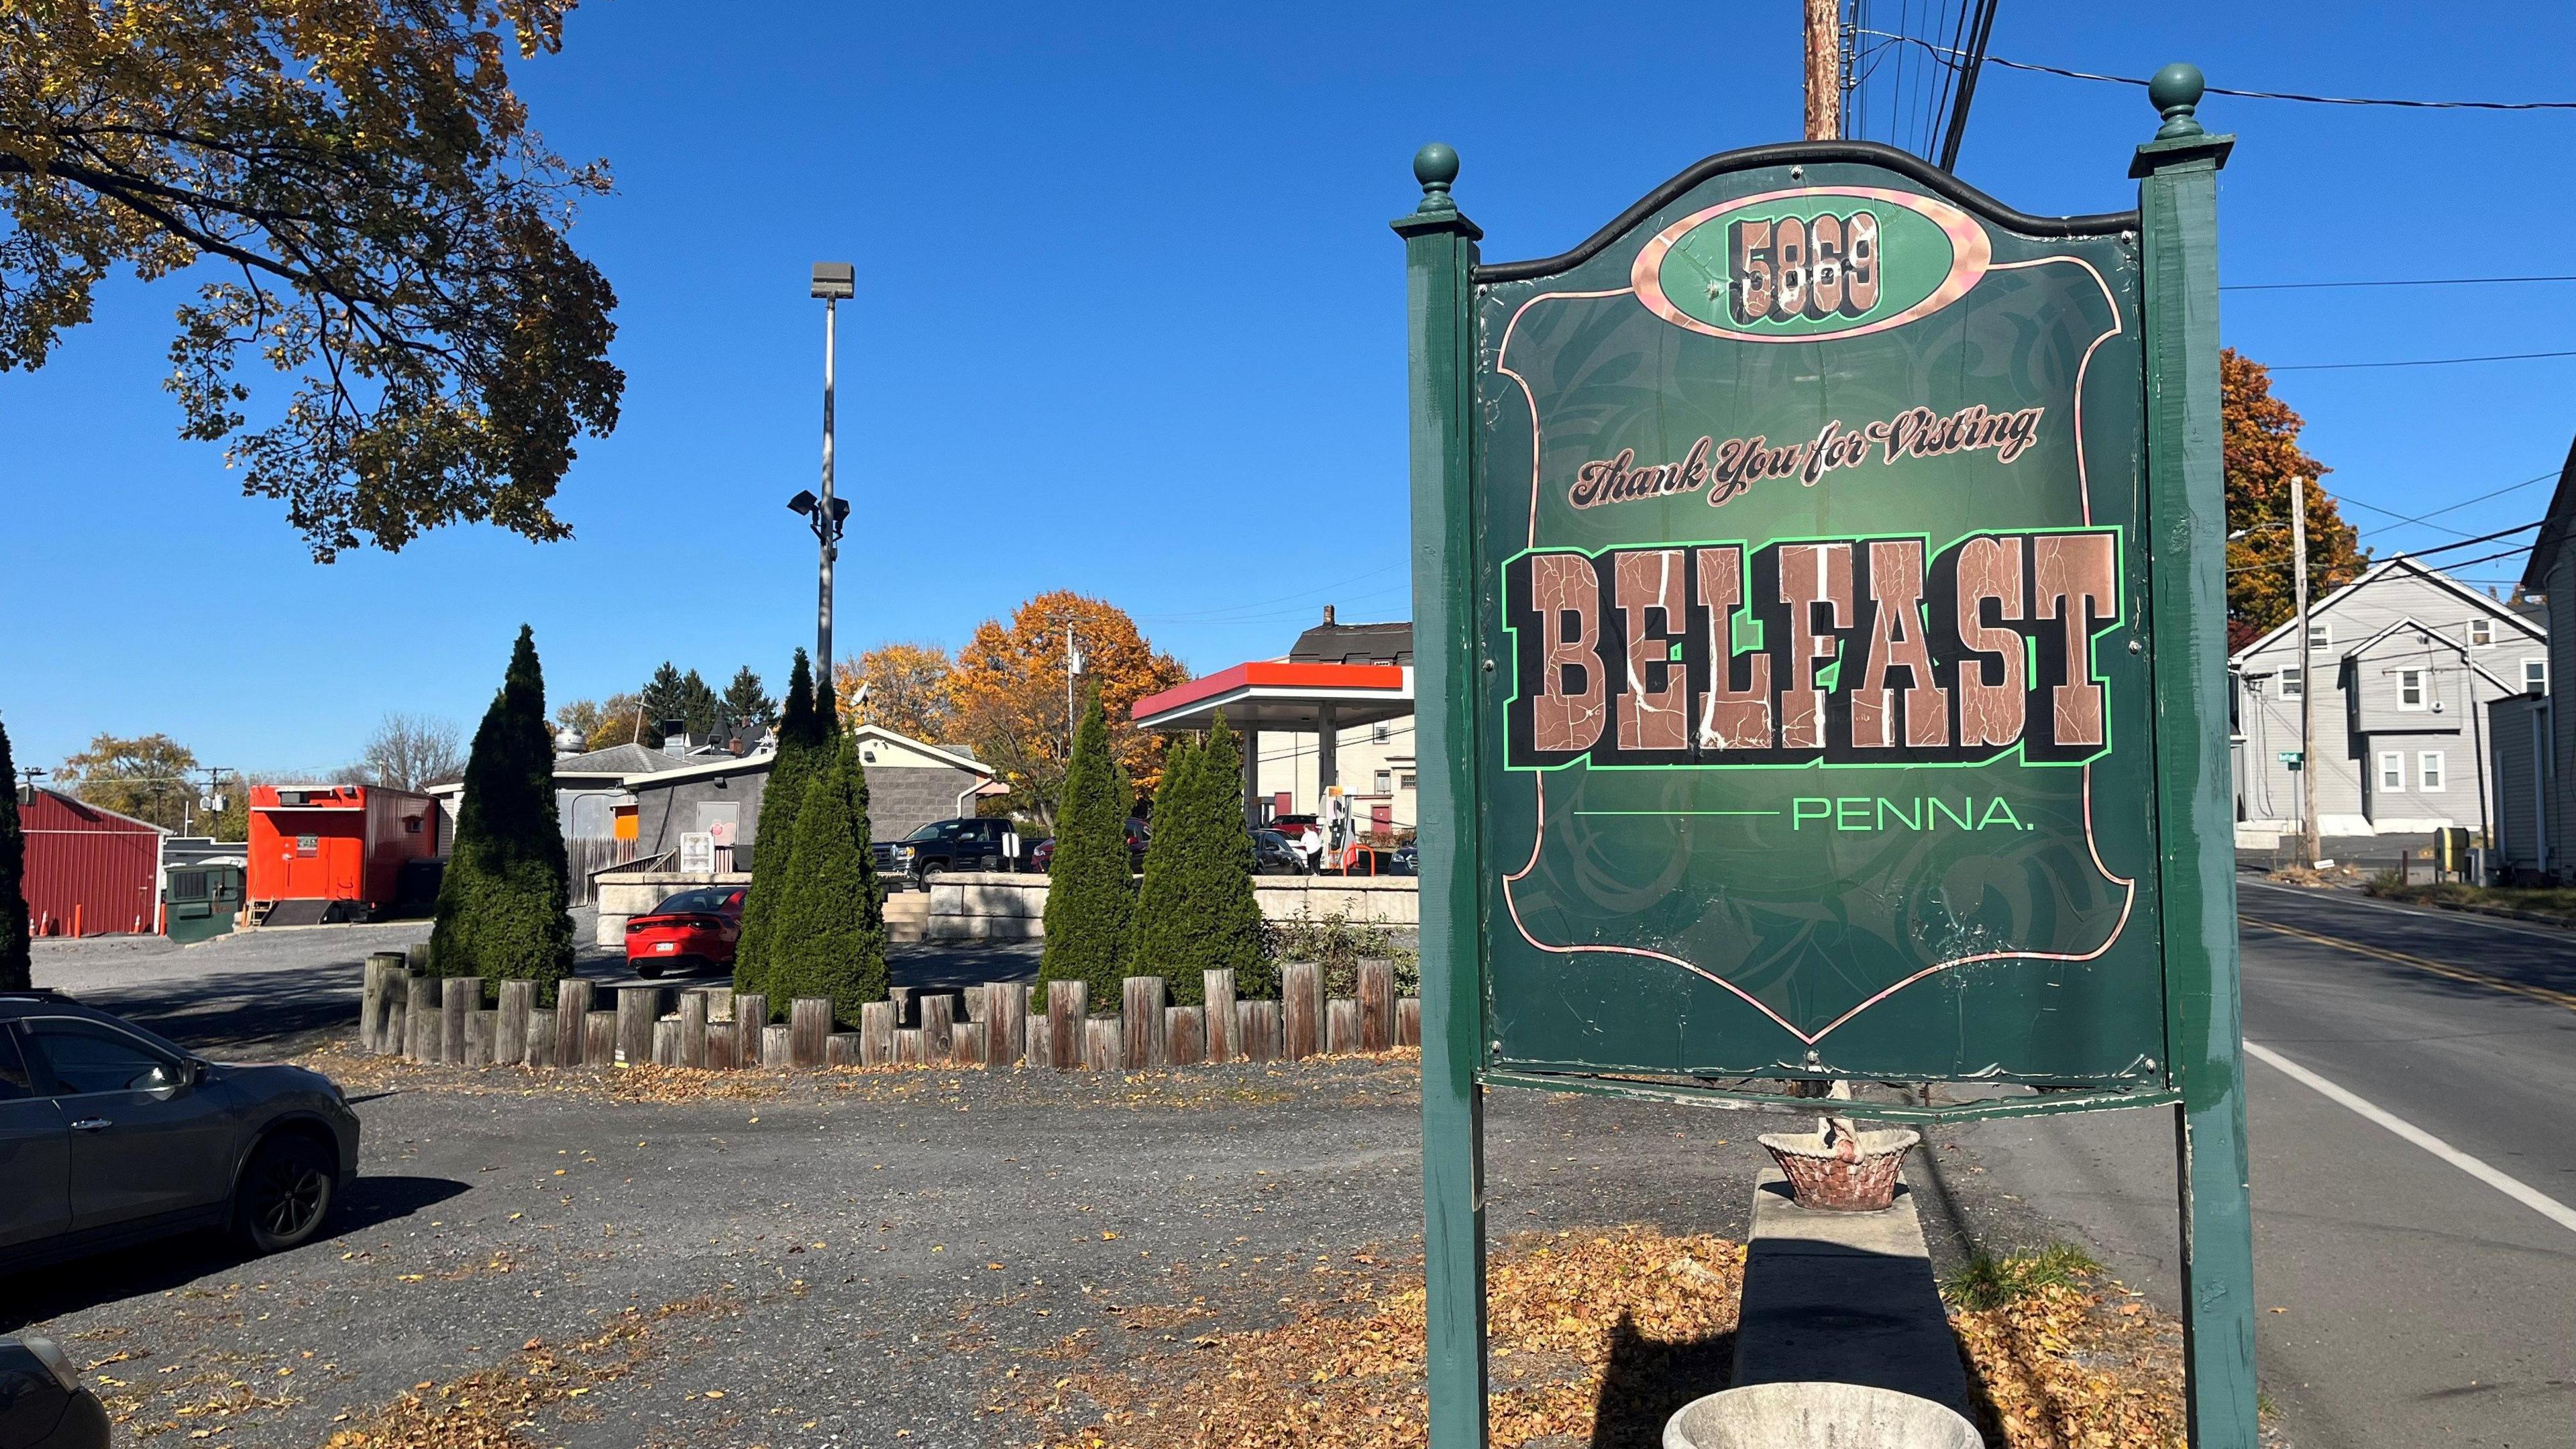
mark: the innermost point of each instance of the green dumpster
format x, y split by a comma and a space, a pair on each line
199, 901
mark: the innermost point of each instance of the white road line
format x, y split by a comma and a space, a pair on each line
2512, 1187
2466, 918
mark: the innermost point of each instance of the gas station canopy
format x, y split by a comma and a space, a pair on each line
1280, 694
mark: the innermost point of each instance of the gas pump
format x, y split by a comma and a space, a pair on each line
1336, 825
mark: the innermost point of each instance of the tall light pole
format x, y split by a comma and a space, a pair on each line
833, 281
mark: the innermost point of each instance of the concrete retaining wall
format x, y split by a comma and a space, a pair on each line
1007, 907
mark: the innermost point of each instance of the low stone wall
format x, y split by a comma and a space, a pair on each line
430, 1019
1008, 907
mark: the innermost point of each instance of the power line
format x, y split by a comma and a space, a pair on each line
2406, 282
2453, 507
1951, 56
2419, 553
2414, 362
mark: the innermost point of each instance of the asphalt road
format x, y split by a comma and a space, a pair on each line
2408, 1299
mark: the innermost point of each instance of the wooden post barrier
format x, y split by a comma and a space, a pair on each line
777, 1046
1100, 1047
666, 1041
750, 1021
480, 1028
599, 1037
1221, 1034
418, 956
510, 1042
1141, 1014
1342, 1026
1377, 1005
809, 1026
458, 995
397, 1015
383, 969
938, 1025
541, 1039
970, 1000
841, 1049
1408, 1021
1184, 1030
901, 996
1300, 1012
638, 1007
907, 1046
719, 1002
1068, 1017
693, 1029
1006, 1023
1038, 1048
966, 1048
720, 1046
420, 1020
876, 1034
1260, 1029
572, 1009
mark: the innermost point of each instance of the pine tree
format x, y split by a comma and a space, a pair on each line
744, 705
1197, 911
662, 698
502, 909
791, 769
1090, 882
829, 926
698, 704
15, 968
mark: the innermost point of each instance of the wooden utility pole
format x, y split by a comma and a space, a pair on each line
2307, 675
1824, 70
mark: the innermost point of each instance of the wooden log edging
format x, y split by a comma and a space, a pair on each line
441, 1020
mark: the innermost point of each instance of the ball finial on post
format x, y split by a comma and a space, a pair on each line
1435, 166
2175, 92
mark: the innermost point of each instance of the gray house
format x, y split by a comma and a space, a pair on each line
2407, 662
910, 784
2535, 754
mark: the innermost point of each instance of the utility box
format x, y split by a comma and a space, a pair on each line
2451, 851
201, 901
336, 851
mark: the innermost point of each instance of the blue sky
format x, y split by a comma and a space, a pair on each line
1129, 322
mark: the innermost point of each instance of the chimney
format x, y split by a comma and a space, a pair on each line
675, 737
1328, 616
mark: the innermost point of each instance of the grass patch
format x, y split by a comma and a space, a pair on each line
1989, 1282
2547, 901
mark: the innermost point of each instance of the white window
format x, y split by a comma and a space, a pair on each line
2392, 769
2410, 689
2481, 632
1385, 782
2428, 772
2288, 684
1404, 782
2535, 676
2320, 635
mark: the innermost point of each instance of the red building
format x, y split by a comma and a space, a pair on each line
90, 871
334, 843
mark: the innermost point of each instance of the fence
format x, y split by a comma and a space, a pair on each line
442, 1019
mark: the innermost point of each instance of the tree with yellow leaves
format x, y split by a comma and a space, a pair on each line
1009, 689
911, 690
389, 233
2263, 455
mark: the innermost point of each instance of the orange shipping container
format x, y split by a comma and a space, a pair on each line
336, 842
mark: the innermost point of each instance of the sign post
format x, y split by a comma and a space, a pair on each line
1820, 648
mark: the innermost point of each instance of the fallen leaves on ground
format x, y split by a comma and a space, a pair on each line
491, 1409
1594, 1339
2062, 1367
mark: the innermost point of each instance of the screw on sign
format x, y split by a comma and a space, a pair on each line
1812, 734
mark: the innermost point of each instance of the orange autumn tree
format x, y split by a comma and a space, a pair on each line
1009, 693
911, 690
2263, 455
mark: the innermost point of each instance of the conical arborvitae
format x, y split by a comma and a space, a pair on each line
15, 969
503, 908
1090, 882
1197, 911
830, 918
791, 769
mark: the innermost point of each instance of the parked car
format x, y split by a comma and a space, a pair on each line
1407, 860
966, 843
1272, 855
42, 1402
1138, 839
110, 1135
695, 930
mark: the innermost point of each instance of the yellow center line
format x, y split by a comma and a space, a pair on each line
2475, 978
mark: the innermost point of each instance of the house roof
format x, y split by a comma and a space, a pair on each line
2427, 635
620, 761
2556, 527
74, 802
730, 765
2492, 608
1388, 643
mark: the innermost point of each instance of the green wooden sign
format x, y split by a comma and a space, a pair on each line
1812, 494
1819, 621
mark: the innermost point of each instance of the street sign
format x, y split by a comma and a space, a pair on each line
2290, 758
1820, 656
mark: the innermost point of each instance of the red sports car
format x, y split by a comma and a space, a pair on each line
693, 931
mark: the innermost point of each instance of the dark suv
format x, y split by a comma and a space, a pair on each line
109, 1134
973, 843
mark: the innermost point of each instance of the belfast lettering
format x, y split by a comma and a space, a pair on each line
1839, 651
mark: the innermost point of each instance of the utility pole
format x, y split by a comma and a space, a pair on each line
1824, 70
834, 282
1072, 667
2307, 676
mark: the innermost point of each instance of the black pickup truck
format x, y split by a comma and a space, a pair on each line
964, 844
